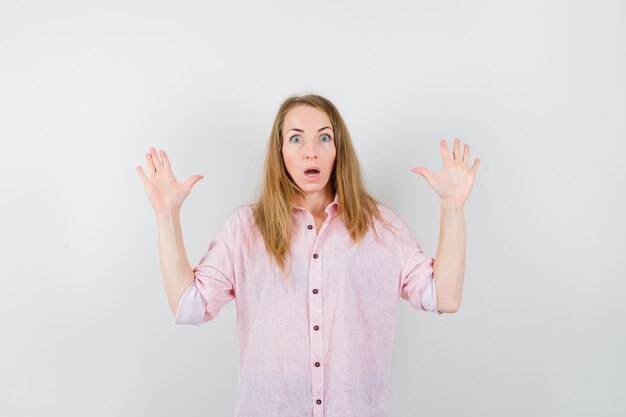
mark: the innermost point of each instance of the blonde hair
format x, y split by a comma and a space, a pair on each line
272, 211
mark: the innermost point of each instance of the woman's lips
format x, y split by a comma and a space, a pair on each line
312, 176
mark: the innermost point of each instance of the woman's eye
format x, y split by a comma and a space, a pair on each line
325, 136
295, 137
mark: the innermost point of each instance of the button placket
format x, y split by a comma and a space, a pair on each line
315, 317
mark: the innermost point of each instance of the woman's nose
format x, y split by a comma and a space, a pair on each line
310, 150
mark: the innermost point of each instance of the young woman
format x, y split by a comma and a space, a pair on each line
316, 267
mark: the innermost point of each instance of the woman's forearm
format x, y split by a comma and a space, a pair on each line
449, 265
175, 267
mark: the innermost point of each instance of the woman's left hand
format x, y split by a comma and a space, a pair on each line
454, 183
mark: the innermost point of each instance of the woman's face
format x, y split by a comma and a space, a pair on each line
308, 143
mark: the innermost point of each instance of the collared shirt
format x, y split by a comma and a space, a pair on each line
323, 346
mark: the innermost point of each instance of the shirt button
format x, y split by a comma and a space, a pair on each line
317, 364
318, 401
316, 327
315, 255
315, 291
310, 227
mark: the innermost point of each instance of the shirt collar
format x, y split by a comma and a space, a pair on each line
330, 209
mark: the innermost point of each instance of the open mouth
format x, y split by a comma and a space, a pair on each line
311, 172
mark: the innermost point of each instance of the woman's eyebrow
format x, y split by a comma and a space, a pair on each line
319, 130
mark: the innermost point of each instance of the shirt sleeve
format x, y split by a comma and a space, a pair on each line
213, 283
418, 278
418, 281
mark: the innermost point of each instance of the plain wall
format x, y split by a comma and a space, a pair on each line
536, 88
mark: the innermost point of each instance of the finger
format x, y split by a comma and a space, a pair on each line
150, 164
142, 175
475, 166
444, 149
166, 162
191, 181
422, 171
457, 149
158, 165
466, 153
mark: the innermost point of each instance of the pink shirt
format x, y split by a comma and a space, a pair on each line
323, 347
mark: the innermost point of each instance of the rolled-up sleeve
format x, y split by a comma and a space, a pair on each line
213, 283
418, 281
418, 285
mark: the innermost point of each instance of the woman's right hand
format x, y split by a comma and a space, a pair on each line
164, 192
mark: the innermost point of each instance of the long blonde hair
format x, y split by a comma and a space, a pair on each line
273, 215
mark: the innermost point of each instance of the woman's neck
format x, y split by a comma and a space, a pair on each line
316, 202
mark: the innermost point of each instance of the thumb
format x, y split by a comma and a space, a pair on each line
191, 181
422, 171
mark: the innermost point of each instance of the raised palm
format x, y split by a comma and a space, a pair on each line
454, 183
165, 193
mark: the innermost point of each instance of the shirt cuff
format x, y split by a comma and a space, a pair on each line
431, 299
191, 307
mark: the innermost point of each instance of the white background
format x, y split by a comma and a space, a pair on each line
537, 89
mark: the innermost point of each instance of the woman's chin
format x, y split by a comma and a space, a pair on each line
312, 187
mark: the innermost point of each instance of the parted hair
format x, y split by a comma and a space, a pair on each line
273, 212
